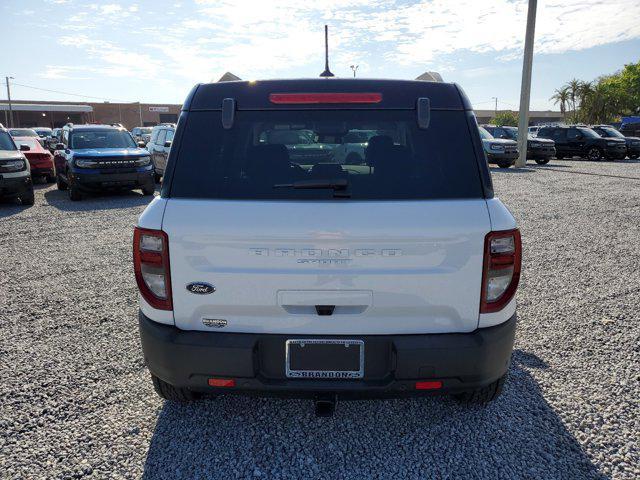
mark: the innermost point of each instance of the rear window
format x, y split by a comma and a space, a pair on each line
323, 155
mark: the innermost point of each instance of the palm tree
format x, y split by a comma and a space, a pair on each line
561, 96
574, 89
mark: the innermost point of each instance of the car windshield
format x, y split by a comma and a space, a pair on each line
610, 132
43, 131
358, 136
6, 143
484, 134
146, 130
22, 132
512, 132
587, 132
300, 155
102, 138
31, 142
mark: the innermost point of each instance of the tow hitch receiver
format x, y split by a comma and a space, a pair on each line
326, 405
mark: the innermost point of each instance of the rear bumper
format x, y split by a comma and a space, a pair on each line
392, 363
106, 180
618, 152
14, 186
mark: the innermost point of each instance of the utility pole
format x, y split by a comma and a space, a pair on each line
140, 111
354, 68
525, 88
495, 111
9, 99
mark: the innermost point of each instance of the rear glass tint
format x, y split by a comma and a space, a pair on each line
370, 155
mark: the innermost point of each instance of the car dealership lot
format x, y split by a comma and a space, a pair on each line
75, 398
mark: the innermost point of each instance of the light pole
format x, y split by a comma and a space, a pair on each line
525, 89
354, 68
9, 99
495, 111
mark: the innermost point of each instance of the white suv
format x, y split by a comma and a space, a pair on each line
15, 172
260, 274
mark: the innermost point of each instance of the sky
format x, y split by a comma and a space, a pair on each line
155, 51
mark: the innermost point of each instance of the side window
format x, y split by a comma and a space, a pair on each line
500, 133
559, 135
154, 136
573, 134
169, 137
161, 136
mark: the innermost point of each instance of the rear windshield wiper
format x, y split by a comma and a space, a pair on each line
336, 184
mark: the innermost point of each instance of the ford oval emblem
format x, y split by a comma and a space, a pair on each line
201, 288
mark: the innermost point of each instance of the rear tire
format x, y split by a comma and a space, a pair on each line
504, 165
559, 157
482, 395
50, 178
633, 156
149, 189
169, 392
594, 154
542, 161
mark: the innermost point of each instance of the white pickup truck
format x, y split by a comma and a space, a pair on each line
259, 274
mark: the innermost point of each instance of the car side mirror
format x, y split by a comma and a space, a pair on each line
167, 144
142, 144
59, 146
24, 148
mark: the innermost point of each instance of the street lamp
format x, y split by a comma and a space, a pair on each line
354, 68
496, 109
9, 99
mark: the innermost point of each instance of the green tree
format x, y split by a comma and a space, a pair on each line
561, 97
506, 118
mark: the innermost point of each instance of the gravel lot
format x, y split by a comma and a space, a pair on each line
76, 400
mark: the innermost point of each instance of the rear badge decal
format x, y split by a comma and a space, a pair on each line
214, 322
201, 288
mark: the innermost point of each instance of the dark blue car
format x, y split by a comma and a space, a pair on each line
101, 157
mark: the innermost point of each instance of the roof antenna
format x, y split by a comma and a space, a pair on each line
327, 72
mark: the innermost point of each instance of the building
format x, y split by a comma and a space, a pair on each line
56, 114
536, 117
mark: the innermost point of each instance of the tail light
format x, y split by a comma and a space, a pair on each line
151, 265
328, 97
501, 270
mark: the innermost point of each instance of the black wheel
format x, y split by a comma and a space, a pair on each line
542, 161
60, 183
169, 392
482, 395
594, 154
559, 157
74, 193
633, 156
149, 189
353, 159
50, 178
504, 165
28, 198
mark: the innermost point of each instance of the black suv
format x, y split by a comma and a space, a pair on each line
539, 149
633, 143
581, 141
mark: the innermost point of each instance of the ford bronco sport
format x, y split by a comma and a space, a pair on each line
263, 275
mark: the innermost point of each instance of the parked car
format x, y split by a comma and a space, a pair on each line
101, 157
24, 132
159, 146
633, 143
302, 144
630, 126
43, 132
15, 173
539, 149
395, 277
500, 151
142, 134
533, 131
581, 141
40, 159
352, 150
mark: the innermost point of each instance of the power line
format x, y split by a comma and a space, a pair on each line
70, 94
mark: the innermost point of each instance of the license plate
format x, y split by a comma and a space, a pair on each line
325, 358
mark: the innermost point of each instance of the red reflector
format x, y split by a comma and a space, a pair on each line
431, 385
222, 382
300, 98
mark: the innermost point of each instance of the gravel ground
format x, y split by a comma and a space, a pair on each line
76, 400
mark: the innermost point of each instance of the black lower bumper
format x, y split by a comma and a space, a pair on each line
502, 158
392, 363
541, 153
14, 186
103, 181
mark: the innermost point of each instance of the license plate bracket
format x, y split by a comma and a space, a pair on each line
321, 358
